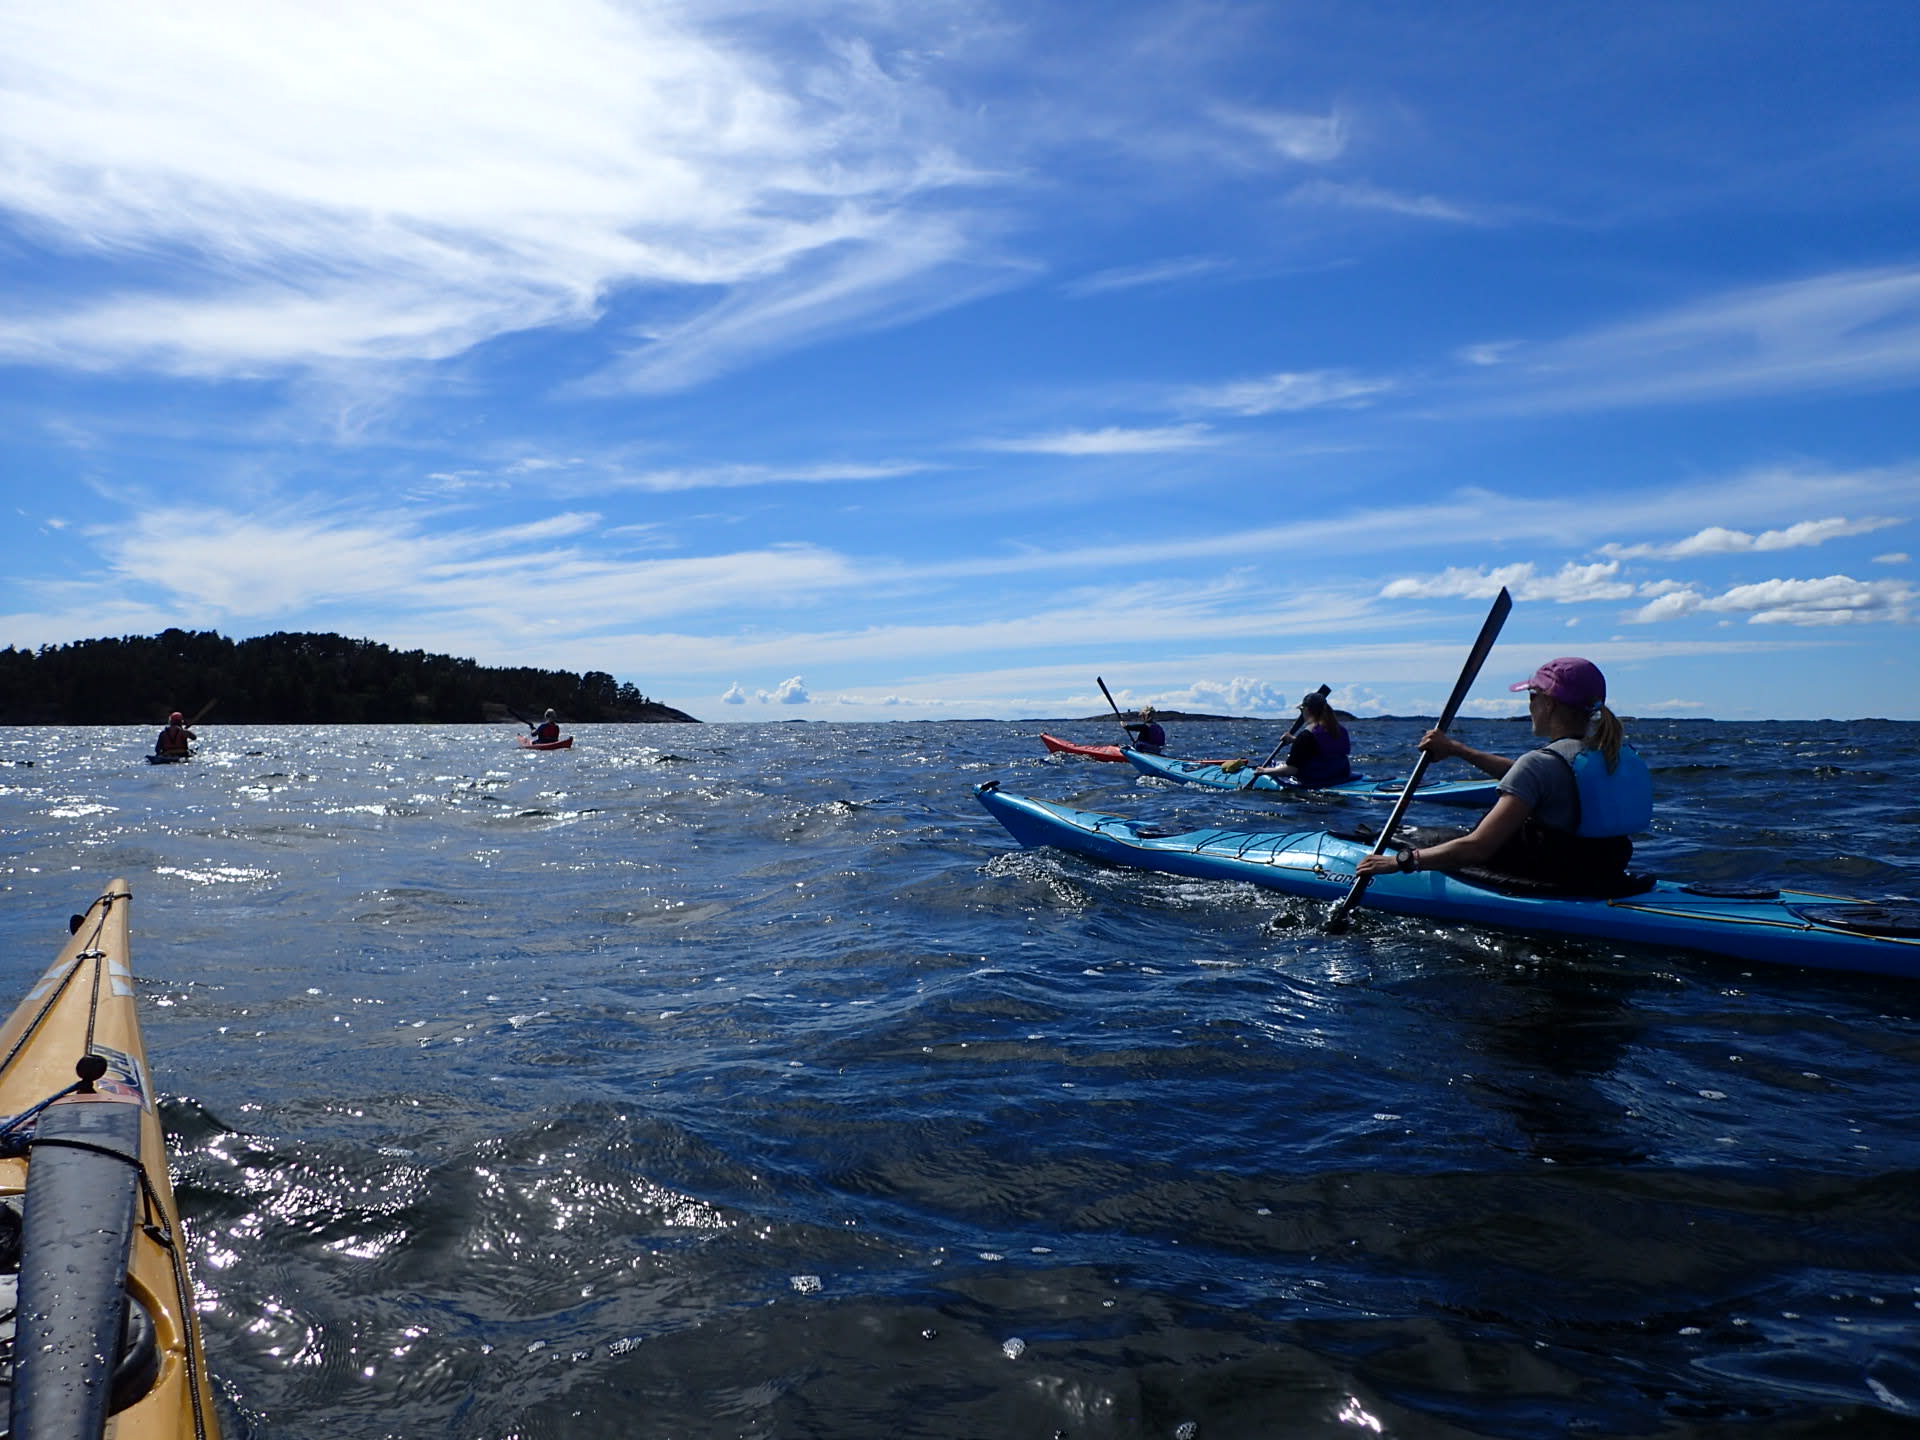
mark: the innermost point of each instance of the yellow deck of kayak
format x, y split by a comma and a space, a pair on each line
85, 1004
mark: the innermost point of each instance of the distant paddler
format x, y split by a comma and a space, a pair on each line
176, 741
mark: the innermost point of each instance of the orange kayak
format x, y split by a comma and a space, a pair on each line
1091, 752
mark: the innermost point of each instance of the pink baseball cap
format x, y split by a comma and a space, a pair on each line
1570, 680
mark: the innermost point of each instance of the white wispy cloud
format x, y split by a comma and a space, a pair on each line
241, 171
1845, 330
1301, 137
1114, 440
1140, 277
1363, 195
1570, 584
1719, 540
1286, 391
731, 477
264, 564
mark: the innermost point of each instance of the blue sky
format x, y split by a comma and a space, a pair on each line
879, 360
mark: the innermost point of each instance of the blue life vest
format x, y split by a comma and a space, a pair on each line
1617, 803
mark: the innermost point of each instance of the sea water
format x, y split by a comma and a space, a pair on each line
714, 1081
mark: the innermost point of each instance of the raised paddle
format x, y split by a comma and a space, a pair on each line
201, 713
1489, 632
1253, 772
1116, 709
518, 716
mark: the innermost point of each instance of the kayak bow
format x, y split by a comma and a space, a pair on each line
1055, 745
104, 1321
1784, 927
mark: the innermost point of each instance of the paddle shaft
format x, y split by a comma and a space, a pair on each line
1116, 709
1482, 647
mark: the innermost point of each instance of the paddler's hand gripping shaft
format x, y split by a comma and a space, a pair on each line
1489, 632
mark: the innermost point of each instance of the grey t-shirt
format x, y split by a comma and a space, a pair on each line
1547, 785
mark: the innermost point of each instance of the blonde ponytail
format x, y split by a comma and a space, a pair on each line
1607, 735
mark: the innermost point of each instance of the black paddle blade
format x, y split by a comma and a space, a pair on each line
1482, 647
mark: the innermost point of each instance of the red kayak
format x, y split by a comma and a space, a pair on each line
1091, 752
565, 742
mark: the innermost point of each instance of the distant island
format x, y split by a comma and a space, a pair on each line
295, 679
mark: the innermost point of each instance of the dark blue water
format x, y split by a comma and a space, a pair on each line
747, 1081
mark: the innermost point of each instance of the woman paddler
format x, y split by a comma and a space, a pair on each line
1149, 734
1566, 810
1320, 751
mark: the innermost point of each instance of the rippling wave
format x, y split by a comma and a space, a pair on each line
747, 1081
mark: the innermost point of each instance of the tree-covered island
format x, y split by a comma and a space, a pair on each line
288, 679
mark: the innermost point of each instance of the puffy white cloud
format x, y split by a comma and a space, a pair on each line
1831, 600
1719, 540
791, 691
1669, 606
1239, 696
734, 695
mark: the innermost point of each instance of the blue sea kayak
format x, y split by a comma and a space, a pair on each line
1479, 794
1786, 927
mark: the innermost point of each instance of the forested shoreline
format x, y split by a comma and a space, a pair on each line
294, 679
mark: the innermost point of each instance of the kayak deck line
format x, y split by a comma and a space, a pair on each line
1215, 776
1799, 922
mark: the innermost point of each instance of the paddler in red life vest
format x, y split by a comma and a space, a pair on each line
1149, 734
547, 731
175, 739
1567, 810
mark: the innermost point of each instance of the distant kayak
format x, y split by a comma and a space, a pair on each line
565, 742
102, 1306
1091, 752
1479, 794
1785, 927
156, 758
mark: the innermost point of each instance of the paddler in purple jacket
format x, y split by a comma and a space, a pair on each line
1149, 735
1320, 753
